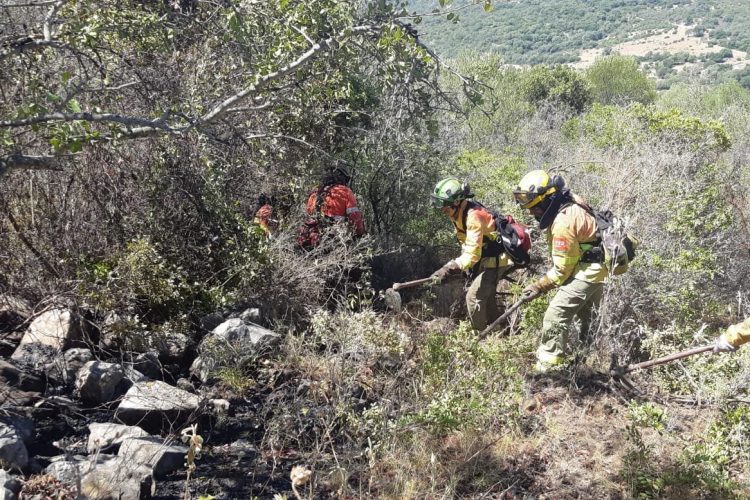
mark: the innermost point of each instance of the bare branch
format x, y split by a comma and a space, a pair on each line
31, 4
28, 43
262, 81
50, 16
128, 121
288, 137
25, 162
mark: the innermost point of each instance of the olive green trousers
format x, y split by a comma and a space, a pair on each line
575, 298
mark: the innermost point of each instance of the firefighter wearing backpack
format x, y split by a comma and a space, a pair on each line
482, 255
571, 231
734, 337
332, 202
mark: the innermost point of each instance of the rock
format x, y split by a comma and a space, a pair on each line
12, 375
211, 321
103, 476
155, 453
55, 328
68, 469
34, 357
10, 396
251, 315
118, 478
13, 451
133, 376
185, 385
231, 343
152, 404
148, 364
23, 425
220, 406
65, 366
9, 486
174, 346
97, 381
106, 435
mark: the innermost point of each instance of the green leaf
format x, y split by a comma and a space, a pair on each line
487, 5
74, 106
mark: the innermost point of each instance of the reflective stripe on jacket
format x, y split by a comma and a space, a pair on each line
339, 203
738, 334
479, 224
571, 234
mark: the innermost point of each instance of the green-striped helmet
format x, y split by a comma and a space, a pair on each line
450, 190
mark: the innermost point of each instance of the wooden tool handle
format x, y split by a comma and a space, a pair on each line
669, 359
409, 284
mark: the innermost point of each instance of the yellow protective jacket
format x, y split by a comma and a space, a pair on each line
738, 334
569, 235
479, 225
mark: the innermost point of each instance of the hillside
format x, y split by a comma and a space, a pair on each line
205, 209
671, 38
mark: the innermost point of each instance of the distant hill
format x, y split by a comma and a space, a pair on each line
711, 38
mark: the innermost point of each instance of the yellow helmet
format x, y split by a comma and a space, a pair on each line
535, 187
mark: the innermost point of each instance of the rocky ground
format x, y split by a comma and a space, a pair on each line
87, 414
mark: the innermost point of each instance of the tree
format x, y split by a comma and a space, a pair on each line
617, 79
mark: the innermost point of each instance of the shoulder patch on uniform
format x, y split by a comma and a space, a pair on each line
560, 244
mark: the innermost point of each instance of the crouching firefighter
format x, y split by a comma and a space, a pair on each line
734, 337
332, 202
492, 245
578, 270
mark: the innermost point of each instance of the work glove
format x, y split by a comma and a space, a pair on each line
721, 345
442, 273
539, 287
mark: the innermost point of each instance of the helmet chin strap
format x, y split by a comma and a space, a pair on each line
555, 202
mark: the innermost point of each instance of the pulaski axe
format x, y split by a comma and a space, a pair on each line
393, 298
619, 371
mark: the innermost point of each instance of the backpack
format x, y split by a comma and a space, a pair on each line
613, 247
309, 233
512, 237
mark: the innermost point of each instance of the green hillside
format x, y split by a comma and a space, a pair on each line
556, 31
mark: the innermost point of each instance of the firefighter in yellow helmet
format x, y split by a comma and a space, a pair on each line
482, 256
577, 271
735, 336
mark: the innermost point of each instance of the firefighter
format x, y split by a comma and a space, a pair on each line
482, 256
735, 336
264, 215
332, 202
577, 271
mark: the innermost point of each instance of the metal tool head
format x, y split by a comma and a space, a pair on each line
392, 299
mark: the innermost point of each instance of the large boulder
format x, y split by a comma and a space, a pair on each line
231, 343
96, 381
13, 451
154, 452
154, 404
103, 476
104, 436
49, 333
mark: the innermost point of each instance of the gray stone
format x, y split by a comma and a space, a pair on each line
65, 366
163, 457
250, 315
148, 364
231, 343
9, 486
106, 435
12, 449
103, 476
154, 403
55, 328
97, 381
13, 375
